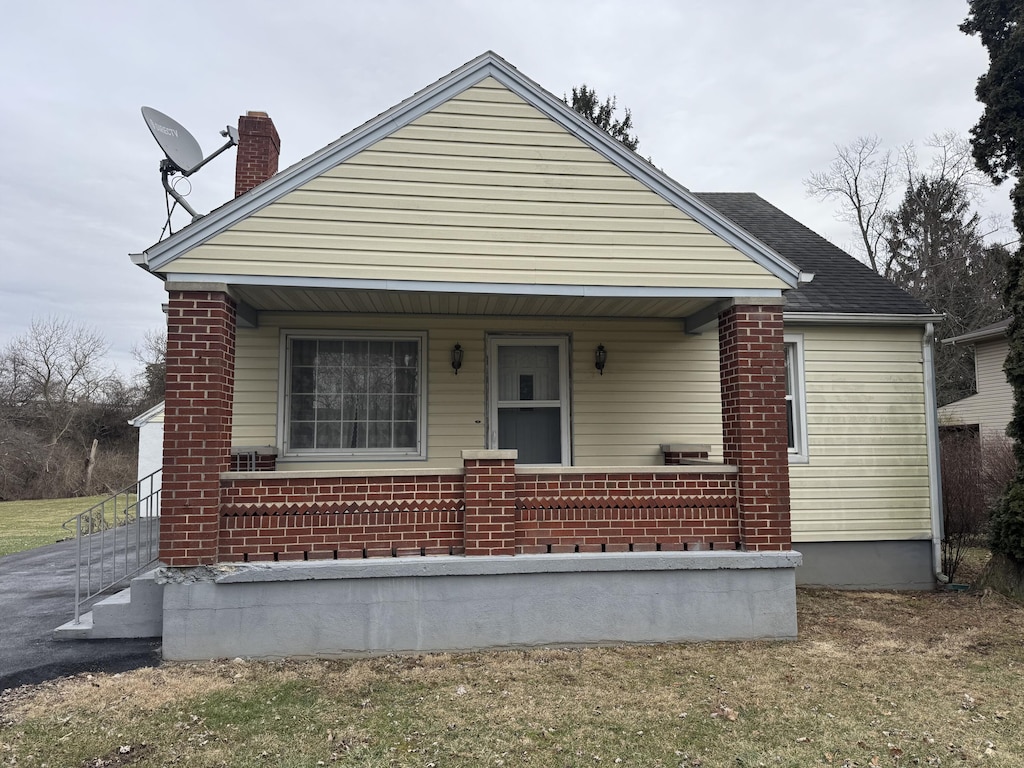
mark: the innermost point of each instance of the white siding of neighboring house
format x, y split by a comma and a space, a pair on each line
483, 189
151, 454
660, 385
992, 407
867, 475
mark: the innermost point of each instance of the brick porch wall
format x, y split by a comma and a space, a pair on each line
753, 369
620, 512
197, 423
318, 518
489, 510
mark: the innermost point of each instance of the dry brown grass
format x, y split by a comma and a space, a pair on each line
875, 679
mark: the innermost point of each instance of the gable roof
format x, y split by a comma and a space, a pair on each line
841, 284
156, 413
159, 257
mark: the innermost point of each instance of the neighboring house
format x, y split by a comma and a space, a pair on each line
151, 457
151, 440
991, 408
509, 384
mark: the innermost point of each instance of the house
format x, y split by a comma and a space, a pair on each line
990, 409
475, 375
151, 456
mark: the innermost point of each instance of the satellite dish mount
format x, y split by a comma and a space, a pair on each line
182, 153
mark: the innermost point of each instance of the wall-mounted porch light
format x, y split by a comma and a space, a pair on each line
457, 358
600, 358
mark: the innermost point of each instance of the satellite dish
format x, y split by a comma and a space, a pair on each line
183, 153
177, 143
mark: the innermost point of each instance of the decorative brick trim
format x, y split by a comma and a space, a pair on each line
280, 517
640, 523
290, 532
625, 502
345, 508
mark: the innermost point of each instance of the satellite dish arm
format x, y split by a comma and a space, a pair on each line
167, 168
232, 135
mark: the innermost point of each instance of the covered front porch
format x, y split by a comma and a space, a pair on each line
293, 497
272, 551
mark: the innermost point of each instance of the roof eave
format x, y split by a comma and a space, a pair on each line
860, 318
983, 334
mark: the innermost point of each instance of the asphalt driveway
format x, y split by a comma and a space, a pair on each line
36, 596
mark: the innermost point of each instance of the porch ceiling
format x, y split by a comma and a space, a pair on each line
293, 299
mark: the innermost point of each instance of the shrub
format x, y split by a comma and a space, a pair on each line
975, 474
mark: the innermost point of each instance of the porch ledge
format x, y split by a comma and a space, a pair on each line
490, 455
655, 469
529, 469
485, 565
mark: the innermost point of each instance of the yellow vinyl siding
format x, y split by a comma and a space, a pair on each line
992, 407
867, 478
485, 188
677, 373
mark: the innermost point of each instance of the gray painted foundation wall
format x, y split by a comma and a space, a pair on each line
344, 608
866, 564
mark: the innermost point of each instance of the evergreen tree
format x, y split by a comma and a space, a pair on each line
937, 254
998, 140
602, 114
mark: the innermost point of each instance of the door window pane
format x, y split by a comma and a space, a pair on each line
528, 370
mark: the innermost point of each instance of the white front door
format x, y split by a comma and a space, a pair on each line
529, 398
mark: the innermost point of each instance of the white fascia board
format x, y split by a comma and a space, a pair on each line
487, 65
143, 418
430, 286
839, 318
996, 331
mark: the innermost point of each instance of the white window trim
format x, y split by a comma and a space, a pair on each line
798, 385
565, 386
364, 455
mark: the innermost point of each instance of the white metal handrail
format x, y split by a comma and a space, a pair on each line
117, 539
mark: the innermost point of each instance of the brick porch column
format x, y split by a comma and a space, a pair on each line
753, 370
197, 423
490, 517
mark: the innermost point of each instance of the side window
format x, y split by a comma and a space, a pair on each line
796, 406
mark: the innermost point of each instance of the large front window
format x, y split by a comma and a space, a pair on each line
353, 395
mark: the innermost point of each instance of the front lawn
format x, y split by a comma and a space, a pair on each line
876, 679
29, 524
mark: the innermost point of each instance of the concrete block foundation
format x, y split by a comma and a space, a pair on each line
359, 607
867, 564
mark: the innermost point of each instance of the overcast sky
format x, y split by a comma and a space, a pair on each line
730, 95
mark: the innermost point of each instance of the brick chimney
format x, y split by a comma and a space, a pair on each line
259, 147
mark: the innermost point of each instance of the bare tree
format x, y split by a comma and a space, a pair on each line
53, 372
862, 177
151, 354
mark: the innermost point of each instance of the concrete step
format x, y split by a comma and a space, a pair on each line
133, 612
72, 631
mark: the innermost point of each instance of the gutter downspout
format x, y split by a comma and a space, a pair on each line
932, 436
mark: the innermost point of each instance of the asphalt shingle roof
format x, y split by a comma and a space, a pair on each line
841, 283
